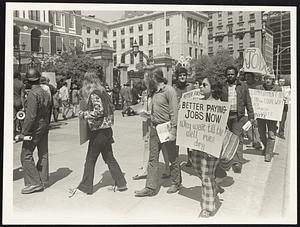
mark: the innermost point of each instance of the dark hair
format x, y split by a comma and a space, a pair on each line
17, 75
231, 68
216, 85
159, 75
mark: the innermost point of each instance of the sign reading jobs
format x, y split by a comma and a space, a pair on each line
201, 125
267, 104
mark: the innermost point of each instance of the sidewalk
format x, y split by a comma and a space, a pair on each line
242, 202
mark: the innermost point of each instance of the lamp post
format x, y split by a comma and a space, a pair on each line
23, 45
277, 59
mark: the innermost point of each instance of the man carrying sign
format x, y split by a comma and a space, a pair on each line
237, 93
268, 85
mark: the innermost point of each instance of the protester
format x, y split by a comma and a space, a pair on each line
237, 93
64, 93
164, 109
280, 133
56, 105
36, 124
262, 124
197, 83
181, 87
19, 99
99, 115
75, 99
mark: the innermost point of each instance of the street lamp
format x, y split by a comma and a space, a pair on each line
135, 48
277, 58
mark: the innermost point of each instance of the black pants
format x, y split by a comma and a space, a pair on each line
35, 175
100, 142
283, 119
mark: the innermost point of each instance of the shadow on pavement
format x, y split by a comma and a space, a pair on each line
17, 174
58, 175
106, 180
183, 160
56, 125
254, 152
226, 181
192, 193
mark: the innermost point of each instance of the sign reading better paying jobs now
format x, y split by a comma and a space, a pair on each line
201, 125
267, 104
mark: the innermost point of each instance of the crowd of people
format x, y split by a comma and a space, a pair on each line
161, 105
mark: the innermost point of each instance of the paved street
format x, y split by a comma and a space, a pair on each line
255, 195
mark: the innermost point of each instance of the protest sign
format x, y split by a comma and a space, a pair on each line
255, 62
163, 131
267, 104
194, 94
201, 125
51, 76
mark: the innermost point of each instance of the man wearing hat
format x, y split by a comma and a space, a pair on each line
262, 124
36, 125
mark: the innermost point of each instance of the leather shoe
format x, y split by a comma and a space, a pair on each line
237, 168
145, 192
219, 189
138, 177
32, 188
188, 164
120, 189
268, 157
173, 189
205, 214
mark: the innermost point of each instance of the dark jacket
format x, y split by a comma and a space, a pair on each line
36, 120
243, 99
273, 88
182, 89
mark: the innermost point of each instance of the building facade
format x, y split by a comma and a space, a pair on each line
175, 33
238, 30
280, 24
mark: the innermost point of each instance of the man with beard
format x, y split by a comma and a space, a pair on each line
237, 93
181, 87
164, 108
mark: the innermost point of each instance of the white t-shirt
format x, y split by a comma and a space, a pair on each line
64, 93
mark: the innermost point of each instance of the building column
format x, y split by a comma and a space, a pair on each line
26, 14
123, 73
46, 16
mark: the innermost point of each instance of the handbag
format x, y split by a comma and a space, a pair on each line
229, 146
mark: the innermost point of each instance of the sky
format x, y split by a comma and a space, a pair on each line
105, 15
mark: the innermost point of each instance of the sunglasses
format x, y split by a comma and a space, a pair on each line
204, 84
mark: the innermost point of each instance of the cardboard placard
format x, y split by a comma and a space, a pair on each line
267, 104
201, 125
51, 76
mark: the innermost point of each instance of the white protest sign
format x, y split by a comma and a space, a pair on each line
287, 93
163, 131
51, 76
267, 104
255, 62
193, 94
201, 125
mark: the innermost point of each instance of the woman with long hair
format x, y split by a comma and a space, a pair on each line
99, 114
203, 163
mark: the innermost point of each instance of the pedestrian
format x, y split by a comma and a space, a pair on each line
36, 124
197, 83
64, 93
164, 108
56, 105
127, 96
237, 93
122, 93
286, 90
99, 115
181, 87
203, 163
262, 124
19, 99
116, 95
75, 99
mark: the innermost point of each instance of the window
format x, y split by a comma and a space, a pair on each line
196, 53
131, 59
219, 22
230, 20
230, 46
131, 41
241, 54
252, 16
141, 57
122, 31
72, 43
115, 60
229, 13
59, 19
131, 29
96, 41
123, 43
123, 58
210, 24
34, 15
230, 38
252, 33
167, 36
35, 40
150, 53
167, 21
210, 49
168, 51
241, 45
72, 21
140, 27
252, 44
114, 33
104, 34
210, 16
16, 13
59, 44
240, 18
88, 30
149, 26
229, 29
140, 40
219, 14
96, 31
190, 51
210, 42
88, 42
115, 44
150, 39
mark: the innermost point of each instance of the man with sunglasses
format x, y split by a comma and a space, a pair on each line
237, 93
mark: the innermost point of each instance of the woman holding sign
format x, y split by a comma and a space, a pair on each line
203, 163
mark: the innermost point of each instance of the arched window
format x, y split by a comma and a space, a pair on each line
16, 36
35, 40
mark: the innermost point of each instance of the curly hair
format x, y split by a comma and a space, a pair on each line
231, 68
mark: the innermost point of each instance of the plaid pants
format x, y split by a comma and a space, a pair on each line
205, 166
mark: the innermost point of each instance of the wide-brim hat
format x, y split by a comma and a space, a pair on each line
33, 75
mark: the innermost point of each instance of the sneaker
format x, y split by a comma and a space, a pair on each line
173, 189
